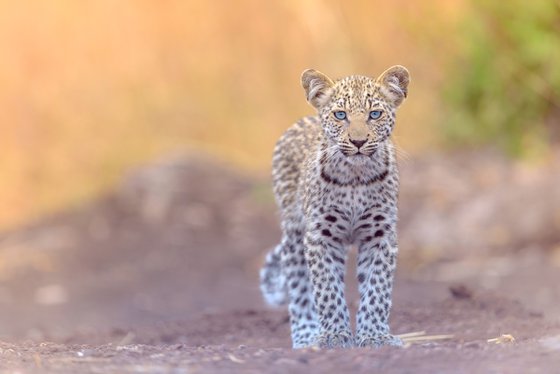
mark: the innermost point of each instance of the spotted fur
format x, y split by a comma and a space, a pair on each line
336, 184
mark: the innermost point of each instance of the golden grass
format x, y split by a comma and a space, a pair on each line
90, 88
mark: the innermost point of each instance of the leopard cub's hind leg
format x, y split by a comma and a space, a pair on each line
303, 317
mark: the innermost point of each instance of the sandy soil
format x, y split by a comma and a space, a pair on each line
161, 276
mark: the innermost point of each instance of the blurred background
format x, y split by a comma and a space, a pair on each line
92, 90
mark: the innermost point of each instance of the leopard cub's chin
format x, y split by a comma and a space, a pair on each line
358, 159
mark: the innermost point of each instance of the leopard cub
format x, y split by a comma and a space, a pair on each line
336, 183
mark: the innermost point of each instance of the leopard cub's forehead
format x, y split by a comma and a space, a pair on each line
355, 92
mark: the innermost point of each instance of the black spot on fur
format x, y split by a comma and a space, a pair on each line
365, 216
338, 259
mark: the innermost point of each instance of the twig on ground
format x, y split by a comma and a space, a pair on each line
504, 338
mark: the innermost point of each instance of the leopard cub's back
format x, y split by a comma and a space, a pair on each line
292, 152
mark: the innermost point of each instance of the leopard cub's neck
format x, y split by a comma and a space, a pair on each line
337, 168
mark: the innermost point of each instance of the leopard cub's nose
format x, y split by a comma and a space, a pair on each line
358, 143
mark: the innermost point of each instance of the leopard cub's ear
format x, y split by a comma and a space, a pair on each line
394, 84
317, 87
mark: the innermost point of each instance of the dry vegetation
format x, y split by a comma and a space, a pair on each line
91, 88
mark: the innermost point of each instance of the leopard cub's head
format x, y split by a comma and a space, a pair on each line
357, 112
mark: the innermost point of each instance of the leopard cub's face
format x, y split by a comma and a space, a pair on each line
357, 112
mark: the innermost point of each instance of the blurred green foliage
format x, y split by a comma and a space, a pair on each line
505, 88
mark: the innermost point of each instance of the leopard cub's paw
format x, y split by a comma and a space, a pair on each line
376, 341
341, 339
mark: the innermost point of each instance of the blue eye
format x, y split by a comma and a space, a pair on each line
340, 115
375, 114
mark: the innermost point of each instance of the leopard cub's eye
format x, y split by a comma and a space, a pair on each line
340, 115
375, 114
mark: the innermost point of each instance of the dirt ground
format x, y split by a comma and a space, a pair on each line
161, 275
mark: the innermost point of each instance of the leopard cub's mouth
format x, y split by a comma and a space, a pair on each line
359, 153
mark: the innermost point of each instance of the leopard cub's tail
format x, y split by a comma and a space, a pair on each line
273, 280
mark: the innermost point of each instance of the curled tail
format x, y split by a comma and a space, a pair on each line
273, 280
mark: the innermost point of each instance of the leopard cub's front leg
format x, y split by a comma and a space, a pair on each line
377, 257
326, 256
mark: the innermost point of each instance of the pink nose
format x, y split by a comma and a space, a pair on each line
357, 143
